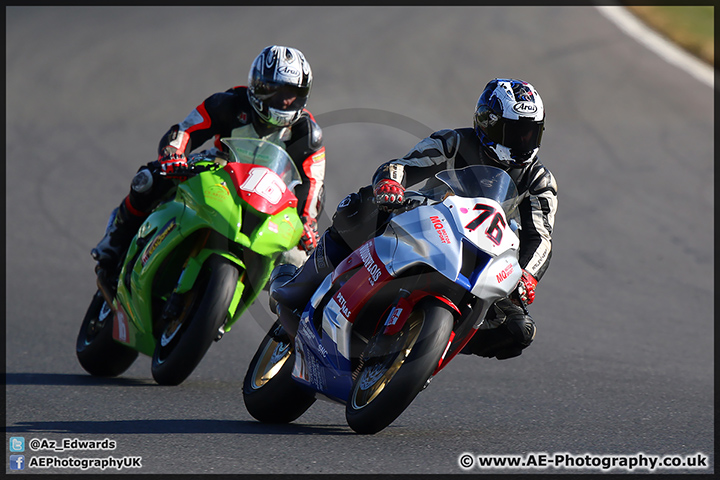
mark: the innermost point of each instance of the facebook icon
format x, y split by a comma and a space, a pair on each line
17, 462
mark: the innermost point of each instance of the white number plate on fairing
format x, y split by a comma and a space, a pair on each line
484, 223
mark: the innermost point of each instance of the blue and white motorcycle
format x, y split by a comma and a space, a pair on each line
399, 308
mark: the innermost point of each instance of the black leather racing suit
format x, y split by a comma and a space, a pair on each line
357, 218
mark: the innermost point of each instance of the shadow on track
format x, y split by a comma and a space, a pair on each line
71, 379
117, 427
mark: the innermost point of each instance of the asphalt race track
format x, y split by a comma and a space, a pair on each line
622, 364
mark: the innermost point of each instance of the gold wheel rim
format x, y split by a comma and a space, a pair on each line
271, 361
374, 378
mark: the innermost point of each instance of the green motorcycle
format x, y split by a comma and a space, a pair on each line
196, 264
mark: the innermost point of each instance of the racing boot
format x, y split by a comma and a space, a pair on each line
292, 287
280, 275
121, 228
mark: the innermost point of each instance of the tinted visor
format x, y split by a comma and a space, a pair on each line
520, 136
282, 96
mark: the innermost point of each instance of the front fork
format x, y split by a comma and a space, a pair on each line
107, 284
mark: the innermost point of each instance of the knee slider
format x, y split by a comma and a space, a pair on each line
506, 341
522, 328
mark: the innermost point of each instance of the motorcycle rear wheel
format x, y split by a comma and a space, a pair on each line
396, 368
184, 342
96, 350
269, 392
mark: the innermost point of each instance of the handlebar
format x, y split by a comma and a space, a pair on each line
407, 204
185, 172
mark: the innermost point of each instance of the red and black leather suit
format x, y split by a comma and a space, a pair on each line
229, 114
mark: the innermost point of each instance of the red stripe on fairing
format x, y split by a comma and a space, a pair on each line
407, 304
447, 347
449, 303
361, 286
456, 349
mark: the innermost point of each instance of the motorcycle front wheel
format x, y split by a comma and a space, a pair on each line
184, 340
395, 368
96, 350
269, 392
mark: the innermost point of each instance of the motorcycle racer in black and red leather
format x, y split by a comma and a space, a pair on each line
271, 106
507, 129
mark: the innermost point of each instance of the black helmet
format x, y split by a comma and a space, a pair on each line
510, 119
279, 84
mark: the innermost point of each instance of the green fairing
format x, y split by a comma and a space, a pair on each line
176, 228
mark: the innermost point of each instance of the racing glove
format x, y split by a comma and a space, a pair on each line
526, 287
389, 194
310, 236
171, 159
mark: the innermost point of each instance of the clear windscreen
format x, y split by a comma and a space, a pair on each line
478, 181
264, 153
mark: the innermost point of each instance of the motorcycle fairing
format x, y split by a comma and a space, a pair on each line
260, 187
323, 361
427, 235
314, 368
156, 236
201, 202
467, 240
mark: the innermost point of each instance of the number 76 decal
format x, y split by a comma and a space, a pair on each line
495, 231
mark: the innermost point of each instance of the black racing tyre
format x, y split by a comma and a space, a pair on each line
96, 350
269, 392
396, 368
184, 341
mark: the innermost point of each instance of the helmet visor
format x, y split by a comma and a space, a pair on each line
282, 96
519, 135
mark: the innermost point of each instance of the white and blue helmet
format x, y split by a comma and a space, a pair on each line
509, 120
279, 84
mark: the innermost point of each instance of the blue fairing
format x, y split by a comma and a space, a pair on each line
472, 256
326, 371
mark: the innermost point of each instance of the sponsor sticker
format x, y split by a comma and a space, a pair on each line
525, 108
169, 227
369, 262
219, 191
505, 273
120, 326
395, 316
440, 229
344, 310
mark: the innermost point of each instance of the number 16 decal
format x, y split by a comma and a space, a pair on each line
265, 183
495, 231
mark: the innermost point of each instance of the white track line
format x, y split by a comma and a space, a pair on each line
671, 53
